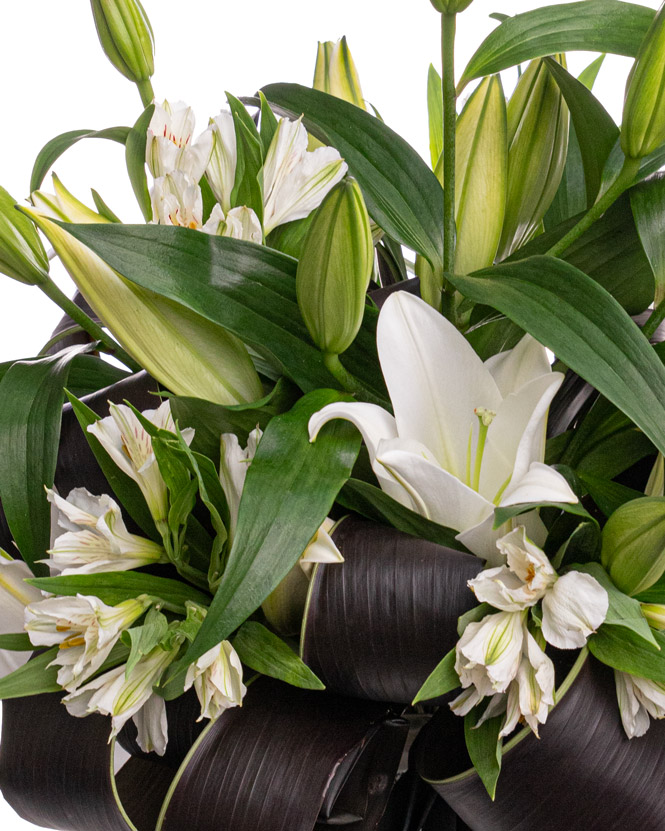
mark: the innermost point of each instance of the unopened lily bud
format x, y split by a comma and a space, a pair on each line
22, 255
537, 147
643, 123
336, 74
633, 550
450, 6
64, 205
335, 268
126, 37
655, 614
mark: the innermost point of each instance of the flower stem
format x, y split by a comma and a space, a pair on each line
448, 23
623, 181
146, 91
655, 319
346, 380
65, 333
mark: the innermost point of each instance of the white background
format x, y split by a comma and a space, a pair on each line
56, 78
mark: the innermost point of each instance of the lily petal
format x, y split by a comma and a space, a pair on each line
482, 539
573, 609
516, 367
541, 484
374, 423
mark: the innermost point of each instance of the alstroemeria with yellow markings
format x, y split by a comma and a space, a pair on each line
169, 145
85, 629
466, 435
217, 679
238, 223
95, 537
15, 595
176, 200
638, 698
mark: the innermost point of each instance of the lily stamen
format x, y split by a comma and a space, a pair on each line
485, 418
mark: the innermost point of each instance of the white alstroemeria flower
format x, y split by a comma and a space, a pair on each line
638, 699
466, 436
238, 223
221, 172
176, 200
217, 679
123, 696
169, 145
296, 180
15, 595
129, 445
531, 694
574, 605
95, 538
85, 629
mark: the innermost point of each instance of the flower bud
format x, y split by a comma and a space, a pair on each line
633, 550
336, 74
64, 205
643, 123
335, 268
537, 146
655, 615
126, 37
450, 6
22, 255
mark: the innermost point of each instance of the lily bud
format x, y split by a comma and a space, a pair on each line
335, 268
537, 146
126, 37
643, 123
64, 205
450, 6
633, 550
336, 74
22, 255
655, 615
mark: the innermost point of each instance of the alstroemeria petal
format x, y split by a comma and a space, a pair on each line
573, 609
434, 377
527, 561
152, 726
322, 548
541, 484
634, 716
516, 367
482, 539
221, 172
493, 645
504, 590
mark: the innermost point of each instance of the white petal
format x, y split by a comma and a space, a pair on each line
516, 367
494, 643
541, 484
502, 589
322, 549
152, 725
634, 716
465, 701
527, 561
651, 695
374, 423
573, 609
482, 539
222, 165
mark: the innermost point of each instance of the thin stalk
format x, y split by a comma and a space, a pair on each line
623, 181
346, 380
81, 318
146, 92
655, 319
448, 23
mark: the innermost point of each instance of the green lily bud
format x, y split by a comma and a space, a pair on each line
335, 268
64, 205
643, 123
655, 615
126, 37
22, 255
450, 6
537, 147
336, 73
633, 549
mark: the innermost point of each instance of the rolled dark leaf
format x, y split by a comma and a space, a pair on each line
290, 760
379, 296
66, 322
378, 624
582, 773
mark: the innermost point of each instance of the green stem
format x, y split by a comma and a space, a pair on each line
65, 333
81, 318
655, 319
146, 92
623, 181
448, 22
346, 380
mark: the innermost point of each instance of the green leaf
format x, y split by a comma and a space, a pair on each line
247, 289
54, 148
581, 546
268, 124
590, 332
484, 746
502, 515
608, 495
261, 650
32, 678
443, 679
142, 639
597, 26
248, 185
135, 158
31, 394
589, 74
648, 203
435, 114
113, 587
19, 642
289, 490
654, 594
624, 650
103, 208
403, 195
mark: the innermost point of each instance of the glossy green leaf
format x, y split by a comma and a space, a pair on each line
484, 746
502, 515
32, 678
262, 651
135, 147
596, 26
19, 642
648, 203
624, 650
435, 114
590, 332
54, 148
269, 123
443, 679
248, 185
103, 208
403, 196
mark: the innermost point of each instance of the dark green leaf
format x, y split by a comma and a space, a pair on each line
502, 515
442, 680
654, 594
648, 203
103, 208
608, 495
264, 652
135, 157
624, 650
582, 546
248, 185
20, 642
484, 746
32, 678
589, 74
268, 124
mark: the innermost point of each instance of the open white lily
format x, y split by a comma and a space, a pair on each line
638, 699
217, 679
466, 436
169, 144
15, 595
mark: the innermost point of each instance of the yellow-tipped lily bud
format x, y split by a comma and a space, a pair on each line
182, 350
643, 124
64, 205
335, 267
450, 6
538, 121
336, 73
633, 549
655, 614
481, 168
126, 37
22, 255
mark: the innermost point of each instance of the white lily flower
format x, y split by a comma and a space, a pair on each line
638, 699
122, 696
169, 145
321, 548
466, 436
238, 223
130, 446
176, 200
15, 595
221, 172
85, 629
217, 679
96, 538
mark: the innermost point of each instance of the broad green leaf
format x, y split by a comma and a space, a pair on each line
484, 746
596, 26
581, 546
54, 148
570, 198
19, 642
403, 195
135, 158
142, 639
31, 395
113, 587
262, 651
289, 490
608, 495
654, 594
87, 373
435, 114
624, 650
590, 332
648, 203
248, 185
247, 289
443, 679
